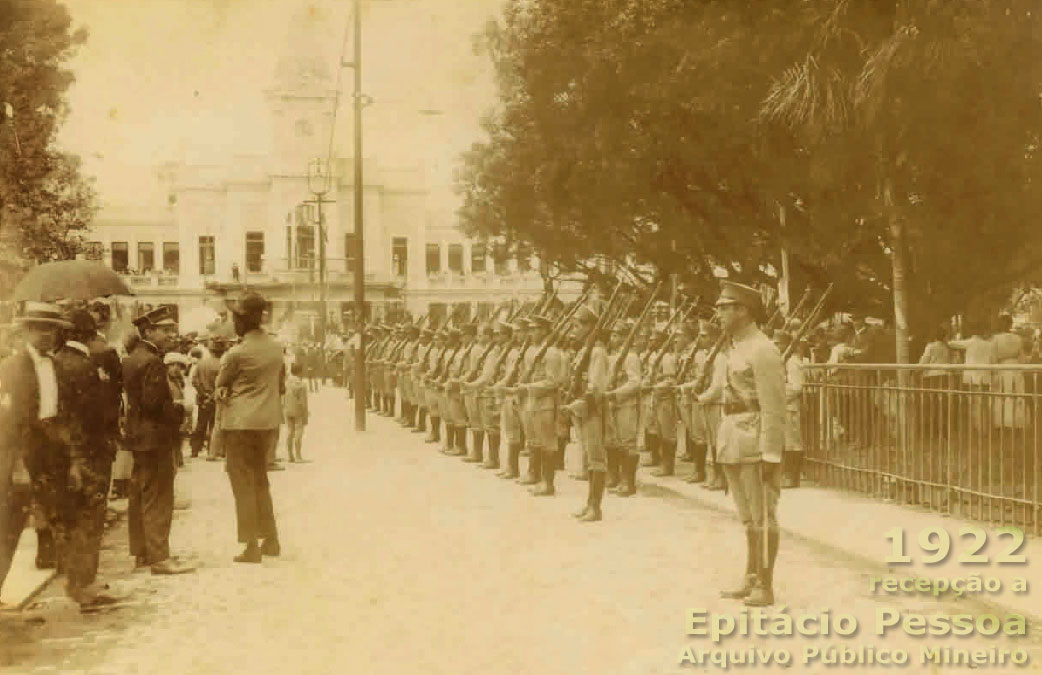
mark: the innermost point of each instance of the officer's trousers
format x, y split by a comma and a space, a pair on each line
151, 506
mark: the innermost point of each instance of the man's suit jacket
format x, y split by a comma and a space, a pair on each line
151, 412
254, 375
110, 372
82, 406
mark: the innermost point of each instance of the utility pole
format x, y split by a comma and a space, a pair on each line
358, 244
318, 185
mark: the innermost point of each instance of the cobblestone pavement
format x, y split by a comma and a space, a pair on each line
397, 559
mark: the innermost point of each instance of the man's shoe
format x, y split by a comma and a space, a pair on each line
271, 548
592, 516
581, 514
276, 467
761, 596
169, 566
251, 554
543, 491
744, 591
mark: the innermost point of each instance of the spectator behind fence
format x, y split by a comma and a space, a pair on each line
937, 352
1008, 411
977, 350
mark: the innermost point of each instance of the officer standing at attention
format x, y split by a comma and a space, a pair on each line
752, 435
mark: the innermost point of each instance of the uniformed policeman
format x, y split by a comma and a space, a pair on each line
150, 413
752, 435
541, 401
589, 414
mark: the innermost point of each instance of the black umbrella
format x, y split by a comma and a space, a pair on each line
69, 280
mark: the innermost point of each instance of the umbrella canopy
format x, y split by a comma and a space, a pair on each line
198, 319
69, 280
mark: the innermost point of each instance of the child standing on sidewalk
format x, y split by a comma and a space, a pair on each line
295, 406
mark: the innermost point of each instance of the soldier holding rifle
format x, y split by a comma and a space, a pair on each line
510, 414
752, 436
545, 370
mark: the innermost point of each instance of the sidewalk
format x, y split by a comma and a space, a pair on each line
24, 581
857, 526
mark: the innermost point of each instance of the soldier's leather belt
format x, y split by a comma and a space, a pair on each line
739, 407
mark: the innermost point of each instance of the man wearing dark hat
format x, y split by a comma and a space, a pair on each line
150, 413
752, 436
85, 425
250, 383
29, 451
546, 376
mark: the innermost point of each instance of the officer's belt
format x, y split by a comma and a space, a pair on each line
739, 407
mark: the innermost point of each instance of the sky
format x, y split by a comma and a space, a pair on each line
162, 80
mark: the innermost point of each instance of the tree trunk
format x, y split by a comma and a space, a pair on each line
898, 266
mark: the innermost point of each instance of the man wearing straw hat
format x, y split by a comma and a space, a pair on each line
752, 435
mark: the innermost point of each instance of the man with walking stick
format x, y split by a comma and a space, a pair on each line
752, 436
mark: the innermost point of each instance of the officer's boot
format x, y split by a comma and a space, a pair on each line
449, 446
535, 468
477, 441
698, 458
651, 442
614, 468
435, 434
513, 469
628, 469
421, 420
46, 550
763, 594
493, 452
752, 556
669, 458
593, 509
549, 467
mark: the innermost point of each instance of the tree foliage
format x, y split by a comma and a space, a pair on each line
681, 134
45, 203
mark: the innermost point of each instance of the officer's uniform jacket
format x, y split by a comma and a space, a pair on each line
150, 405
753, 428
548, 375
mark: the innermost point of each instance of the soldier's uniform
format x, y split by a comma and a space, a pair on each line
546, 377
710, 406
623, 423
564, 422
648, 438
751, 439
686, 350
664, 407
435, 355
588, 412
402, 368
509, 411
485, 398
449, 414
471, 369
793, 457
457, 370
151, 415
416, 372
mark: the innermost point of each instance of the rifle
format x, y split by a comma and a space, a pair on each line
799, 305
628, 343
805, 328
662, 352
707, 369
555, 334
575, 387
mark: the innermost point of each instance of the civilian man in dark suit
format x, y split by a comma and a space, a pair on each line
151, 412
28, 408
250, 384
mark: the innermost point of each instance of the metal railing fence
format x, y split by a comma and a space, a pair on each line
957, 439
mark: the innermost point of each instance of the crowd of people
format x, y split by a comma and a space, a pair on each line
83, 420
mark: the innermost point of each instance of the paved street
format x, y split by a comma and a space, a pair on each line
397, 559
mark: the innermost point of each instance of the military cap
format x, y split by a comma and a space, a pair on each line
539, 322
732, 293
160, 316
80, 321
587, 314
32, 312
469, 329
622, 328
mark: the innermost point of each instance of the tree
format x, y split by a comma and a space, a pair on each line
45, 203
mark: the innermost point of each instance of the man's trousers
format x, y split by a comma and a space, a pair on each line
247, 471
150, 510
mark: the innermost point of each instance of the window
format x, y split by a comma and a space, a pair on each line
456, 258
349, 252
120, 256
400, 256
254, 251
433, 258
477, 258
207, 255
499, 258
93, 250
437, 313
146, 256
305, 246
171, 257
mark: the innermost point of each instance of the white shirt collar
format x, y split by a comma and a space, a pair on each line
78, 346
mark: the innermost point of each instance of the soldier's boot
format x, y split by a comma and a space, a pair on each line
752, 566
461, 441
513, 469
717, 480
669, 459
698, 459
628, 468
435, 434
421, 420
612, 479
792, 463
535, 468
651, 442
549, 467
593, 513
689, 450
763, 594
46, 550
562, 445
449, 447
391, 404
477, 441
493, 452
